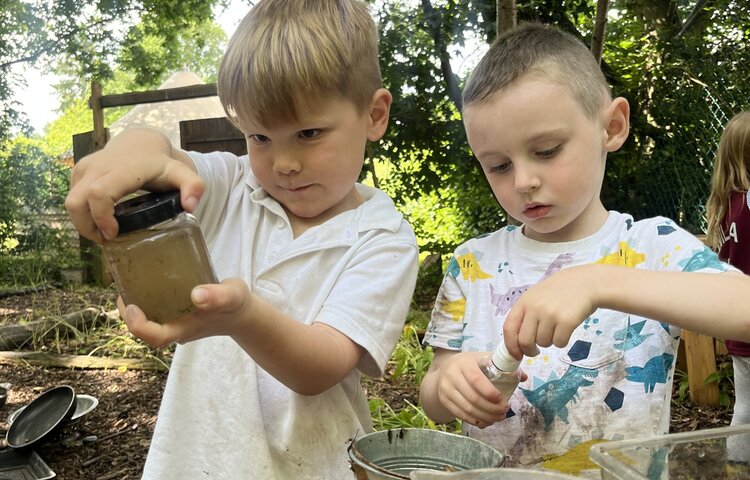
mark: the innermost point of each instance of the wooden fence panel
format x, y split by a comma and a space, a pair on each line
211, 135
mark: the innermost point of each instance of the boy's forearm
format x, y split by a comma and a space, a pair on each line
713, 304
308, 359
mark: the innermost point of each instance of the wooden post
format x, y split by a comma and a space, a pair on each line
701, 362
95, 102
96, 271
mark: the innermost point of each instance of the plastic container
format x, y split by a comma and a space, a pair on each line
393, 454
159, 256
713, 454
502, 370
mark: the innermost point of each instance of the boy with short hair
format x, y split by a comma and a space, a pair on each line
318, 269
594, 298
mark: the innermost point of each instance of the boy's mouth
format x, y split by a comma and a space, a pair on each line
535, 210
297, 189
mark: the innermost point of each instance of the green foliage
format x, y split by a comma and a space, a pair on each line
723, 377
432, 175
410, 358
683, 386
85, 38
197, 48
384, 417
30, 184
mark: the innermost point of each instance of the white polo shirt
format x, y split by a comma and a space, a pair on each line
222, 416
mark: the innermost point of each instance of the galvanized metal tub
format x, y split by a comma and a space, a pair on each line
393, 454
492, 474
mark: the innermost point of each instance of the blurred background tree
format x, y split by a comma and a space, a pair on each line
678, 62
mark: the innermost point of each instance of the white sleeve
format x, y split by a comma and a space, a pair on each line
371, 298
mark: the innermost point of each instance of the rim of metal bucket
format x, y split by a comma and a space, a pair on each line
366, 464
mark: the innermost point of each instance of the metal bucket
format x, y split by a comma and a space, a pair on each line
393, 454
492, 474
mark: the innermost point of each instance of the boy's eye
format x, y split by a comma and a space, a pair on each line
309, 133
258, 138
501, 168
550, 152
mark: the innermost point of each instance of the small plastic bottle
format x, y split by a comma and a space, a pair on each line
502, 370
158, 256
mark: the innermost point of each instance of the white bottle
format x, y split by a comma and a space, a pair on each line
502, 370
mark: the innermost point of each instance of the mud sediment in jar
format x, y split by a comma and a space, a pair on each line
157, 269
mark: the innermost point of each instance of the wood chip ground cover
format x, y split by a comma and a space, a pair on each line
112, 441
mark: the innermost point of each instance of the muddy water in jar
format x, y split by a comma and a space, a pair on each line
158, 264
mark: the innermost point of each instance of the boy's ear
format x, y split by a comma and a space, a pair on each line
380, 108
617, 123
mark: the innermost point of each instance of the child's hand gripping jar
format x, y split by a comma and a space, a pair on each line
158, 256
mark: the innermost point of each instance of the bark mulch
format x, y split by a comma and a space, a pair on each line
112, 441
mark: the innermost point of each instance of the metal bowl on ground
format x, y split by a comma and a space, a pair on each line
492, 474
394, 454
84, 404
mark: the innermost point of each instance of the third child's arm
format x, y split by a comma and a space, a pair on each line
547, 314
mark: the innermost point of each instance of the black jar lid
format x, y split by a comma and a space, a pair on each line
146, 210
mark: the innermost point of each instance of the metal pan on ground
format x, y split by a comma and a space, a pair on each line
42, 419
84, 405
23, 464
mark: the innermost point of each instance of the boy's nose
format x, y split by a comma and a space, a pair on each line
525, 179
286, 164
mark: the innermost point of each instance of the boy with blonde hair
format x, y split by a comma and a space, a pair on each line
318, 269
593, 298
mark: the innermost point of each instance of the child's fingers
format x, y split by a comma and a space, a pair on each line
470, 402
80, 217
155, 334
229, 295
91, 207
471, 410
545, 333
562, 334
191, 185
527, 335
511, 327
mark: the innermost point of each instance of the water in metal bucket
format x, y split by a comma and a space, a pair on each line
393, 454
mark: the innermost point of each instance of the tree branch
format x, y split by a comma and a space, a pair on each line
451, 81
699, 11
597, 41
506, 16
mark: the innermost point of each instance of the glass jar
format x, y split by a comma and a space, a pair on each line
159, 255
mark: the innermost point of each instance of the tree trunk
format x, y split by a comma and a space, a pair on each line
434, 24
507, 16
597, 42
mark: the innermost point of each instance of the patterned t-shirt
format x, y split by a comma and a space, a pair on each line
614, 378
